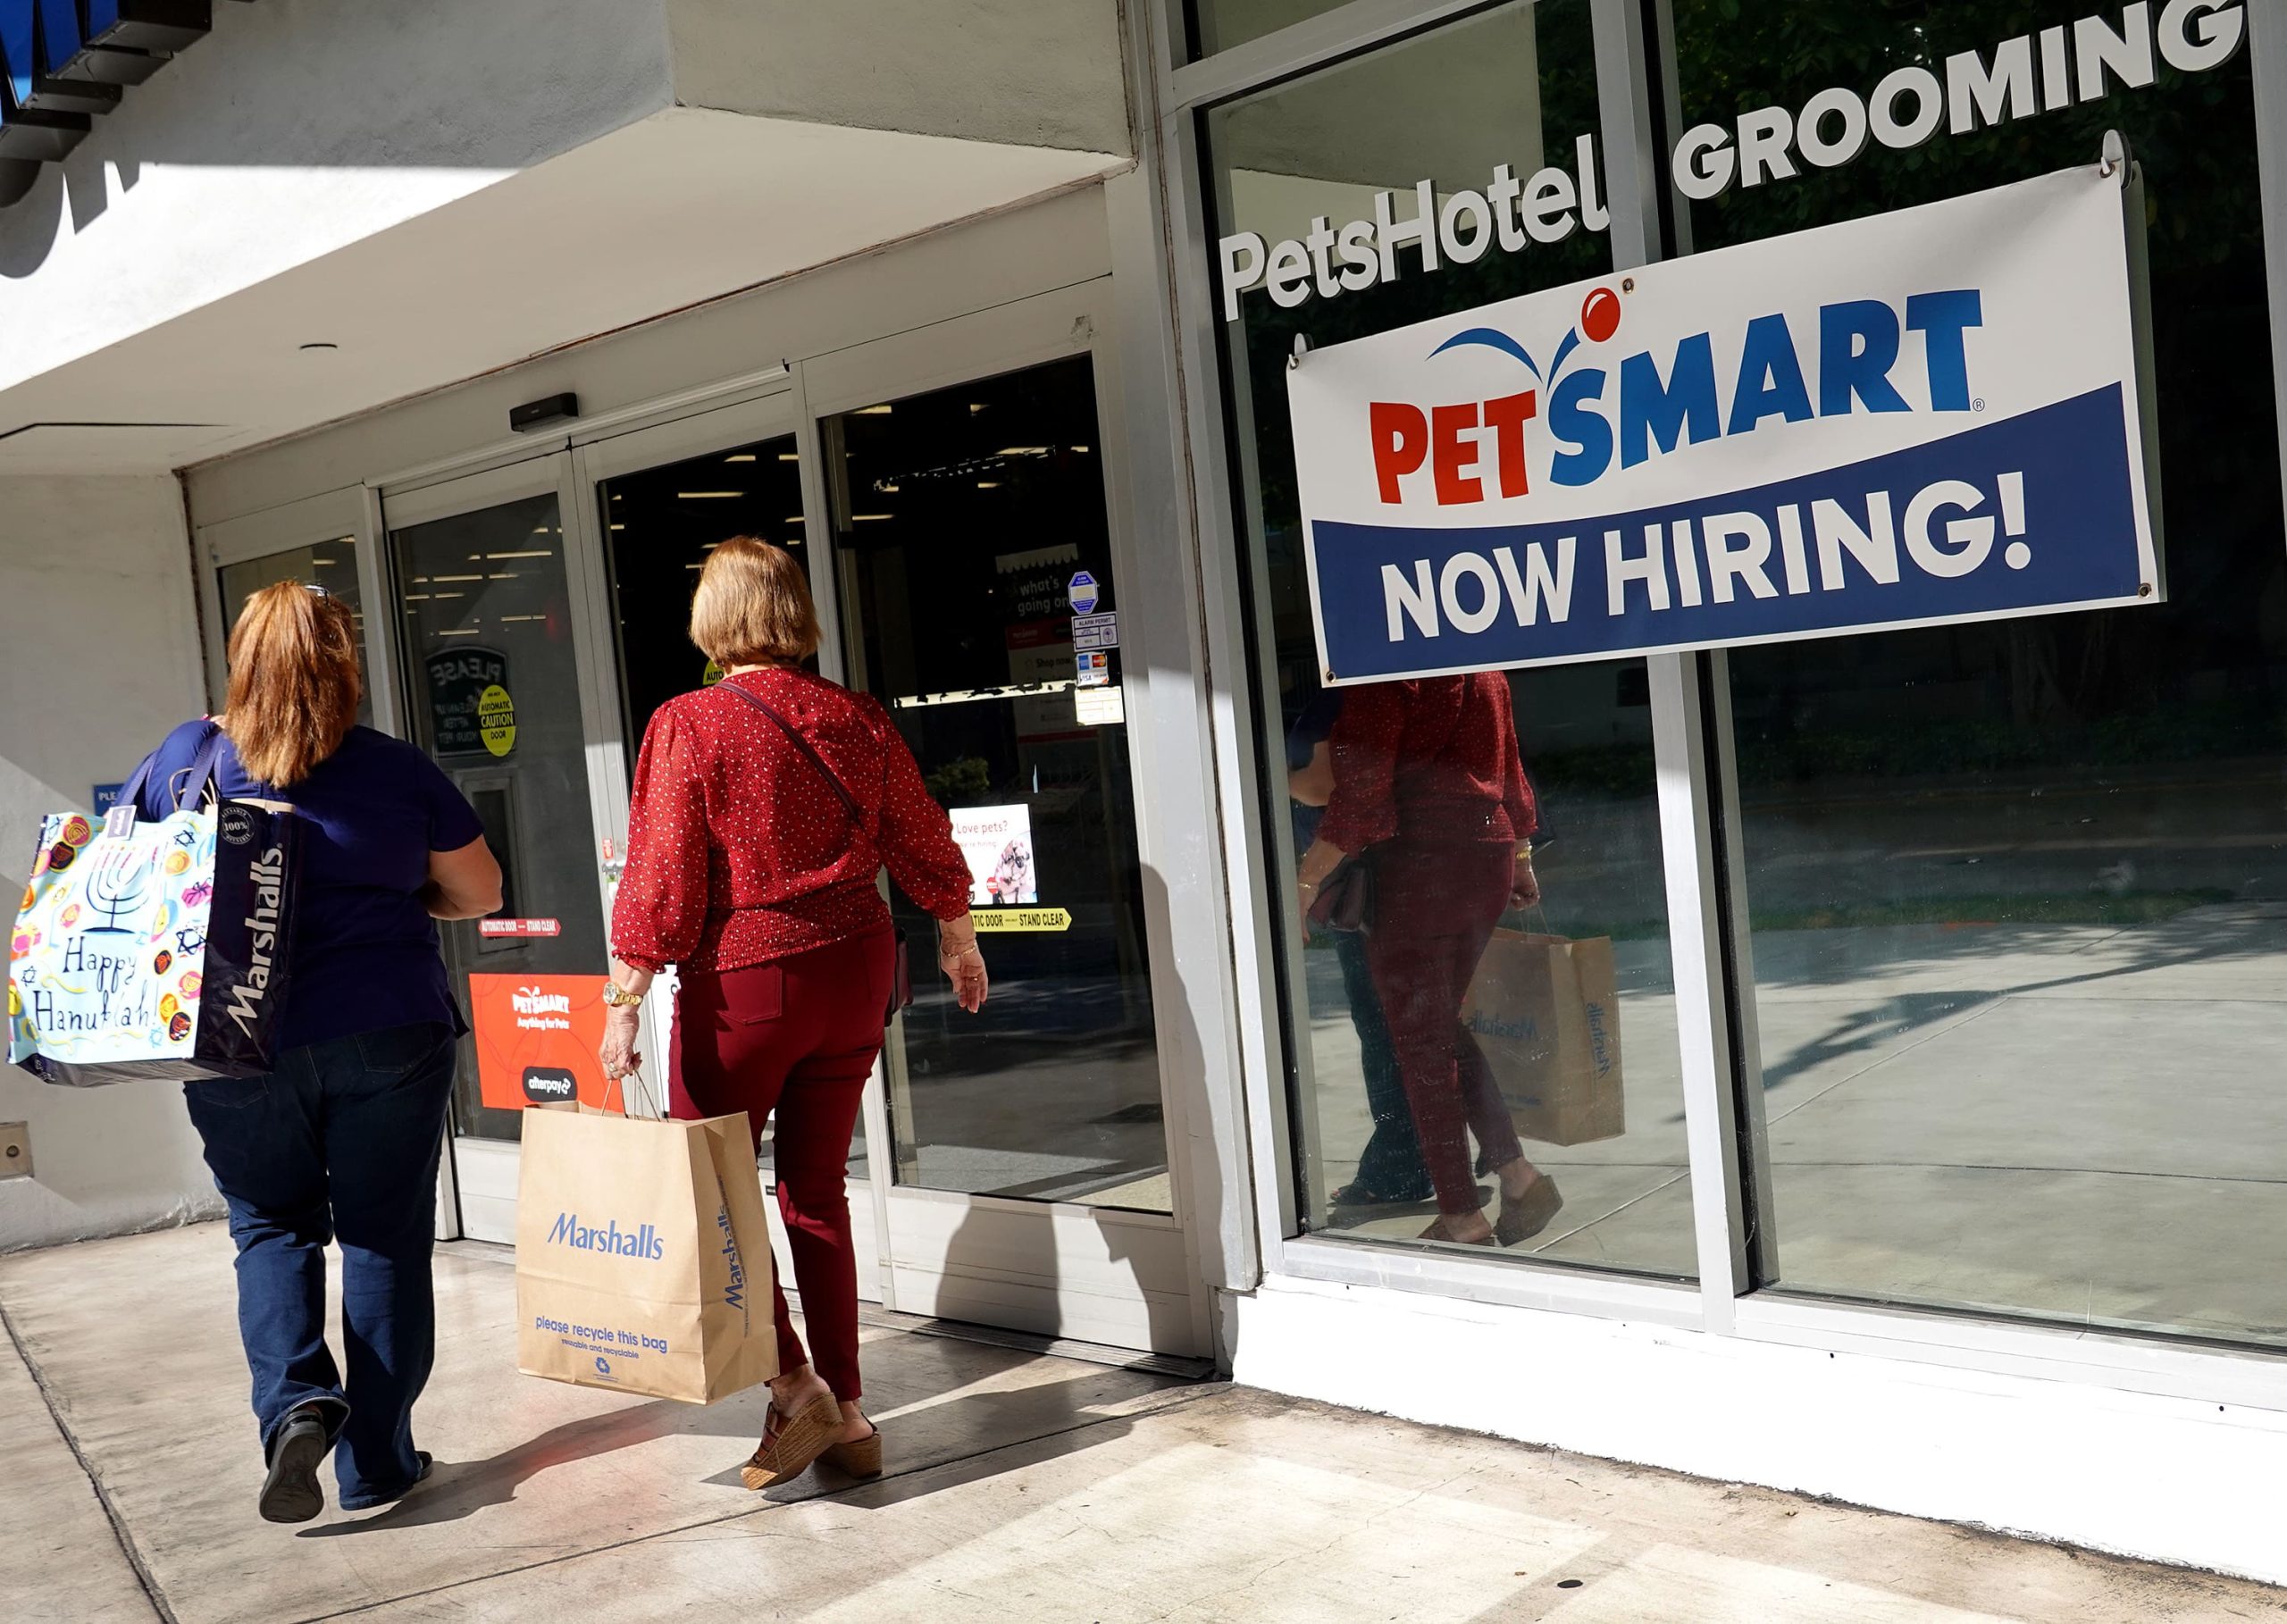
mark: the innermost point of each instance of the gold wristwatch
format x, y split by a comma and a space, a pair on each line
619, 997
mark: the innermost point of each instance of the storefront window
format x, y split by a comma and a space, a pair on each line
1406, 1117
2018, 890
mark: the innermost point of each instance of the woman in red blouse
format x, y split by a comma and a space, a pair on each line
747, 871
1430, 786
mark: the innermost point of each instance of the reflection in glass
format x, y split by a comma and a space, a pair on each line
1594, 1094
2018, 891
661, 523
972, 526
331, 564
486, 605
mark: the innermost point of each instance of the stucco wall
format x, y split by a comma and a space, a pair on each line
98, 657
1029, 72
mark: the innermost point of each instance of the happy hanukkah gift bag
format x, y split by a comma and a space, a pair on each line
154, 949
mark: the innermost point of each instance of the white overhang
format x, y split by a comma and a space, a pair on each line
680, 207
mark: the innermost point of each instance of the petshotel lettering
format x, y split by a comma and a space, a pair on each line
642, 1242
1920, 417
2012, 518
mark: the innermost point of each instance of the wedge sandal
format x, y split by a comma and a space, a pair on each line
795, 1441
859, 1459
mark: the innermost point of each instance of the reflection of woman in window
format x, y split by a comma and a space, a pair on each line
1428, 783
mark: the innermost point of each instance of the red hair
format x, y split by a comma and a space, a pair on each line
294, 681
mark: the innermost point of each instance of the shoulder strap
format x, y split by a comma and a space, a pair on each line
848, 801
193, 780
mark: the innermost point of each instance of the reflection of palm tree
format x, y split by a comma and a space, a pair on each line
118, 884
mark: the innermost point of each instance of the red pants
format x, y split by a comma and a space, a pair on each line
1435, 907
797, 1036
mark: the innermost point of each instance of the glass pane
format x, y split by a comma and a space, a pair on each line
2019, 890
1217, 25
661, 523
331, 564
485, 605
1388, 1091
969, 520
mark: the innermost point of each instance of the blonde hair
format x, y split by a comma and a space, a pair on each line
294, 681
752, 606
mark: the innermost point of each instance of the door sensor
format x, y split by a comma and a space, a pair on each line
539, 414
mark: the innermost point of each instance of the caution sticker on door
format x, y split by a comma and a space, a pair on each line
1022, 918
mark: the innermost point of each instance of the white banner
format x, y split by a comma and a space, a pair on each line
1920, 417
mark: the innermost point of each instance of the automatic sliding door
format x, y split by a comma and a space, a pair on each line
484, 595
664, 497
978, 570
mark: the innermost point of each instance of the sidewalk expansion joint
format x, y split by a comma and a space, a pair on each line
1173, 1399
119, 1530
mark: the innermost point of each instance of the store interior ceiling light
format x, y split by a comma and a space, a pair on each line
863, 518
536, 553
871, 411
790, 456
740, 456
707, 496
988, 484
1022, 451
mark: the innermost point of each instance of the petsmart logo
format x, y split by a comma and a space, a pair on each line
1663, 404
642, 1243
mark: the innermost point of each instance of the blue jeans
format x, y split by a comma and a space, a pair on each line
341, 1139
1390, 1166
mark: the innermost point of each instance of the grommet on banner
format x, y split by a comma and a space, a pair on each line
1302, 349
2115, 159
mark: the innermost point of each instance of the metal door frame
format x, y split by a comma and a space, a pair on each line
481, 1174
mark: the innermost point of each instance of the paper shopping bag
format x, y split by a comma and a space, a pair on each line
642, 1255
1545, 1014
154, 949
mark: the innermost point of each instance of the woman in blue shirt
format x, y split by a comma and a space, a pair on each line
342, 1139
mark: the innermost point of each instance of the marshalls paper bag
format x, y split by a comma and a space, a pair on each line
642, 1255
1545, 1012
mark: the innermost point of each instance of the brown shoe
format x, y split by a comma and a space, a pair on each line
1438, 1232
1529, 1214
792, 1442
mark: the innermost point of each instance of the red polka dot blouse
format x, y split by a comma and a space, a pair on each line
738, 853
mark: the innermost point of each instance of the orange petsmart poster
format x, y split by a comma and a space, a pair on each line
536, 1039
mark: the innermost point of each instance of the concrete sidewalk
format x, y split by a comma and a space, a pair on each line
1021, 1488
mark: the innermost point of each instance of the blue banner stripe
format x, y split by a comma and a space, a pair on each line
2031, 511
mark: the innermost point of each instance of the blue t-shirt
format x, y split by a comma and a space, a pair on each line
364, 953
